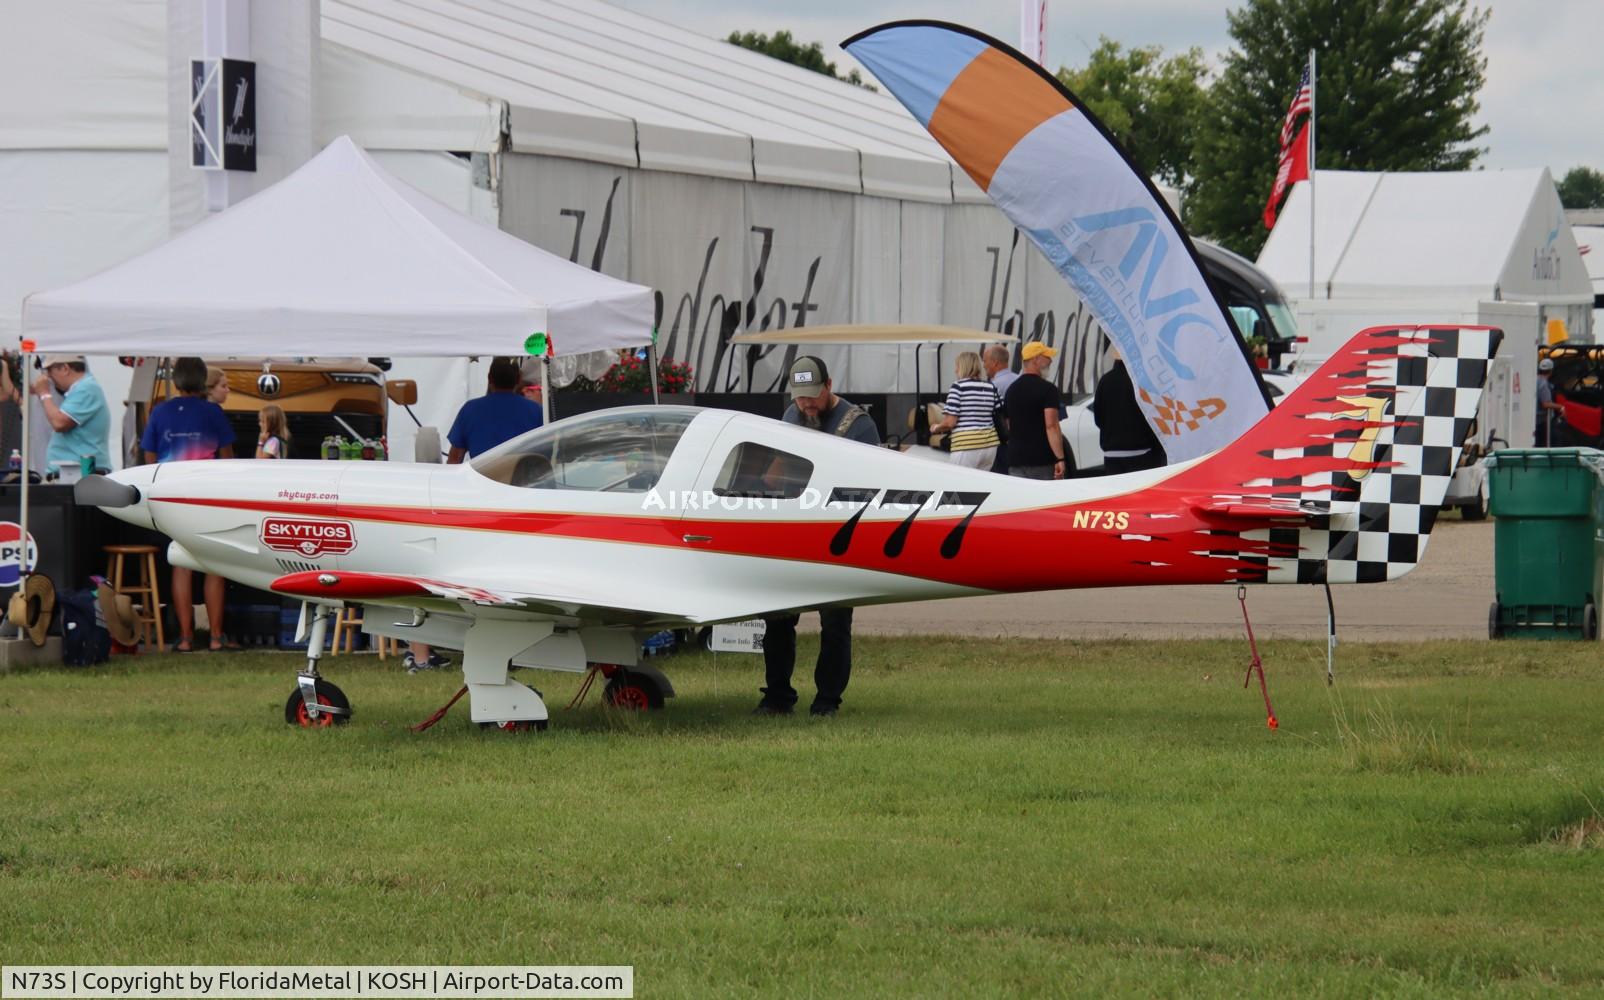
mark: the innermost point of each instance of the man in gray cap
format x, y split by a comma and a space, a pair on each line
81, 421
1549, 412
814, 404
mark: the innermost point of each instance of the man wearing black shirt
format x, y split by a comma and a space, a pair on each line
1127, 439
814, 404
1035, 444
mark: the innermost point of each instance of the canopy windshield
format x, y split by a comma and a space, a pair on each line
609, 451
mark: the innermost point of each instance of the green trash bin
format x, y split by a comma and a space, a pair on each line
1547, 555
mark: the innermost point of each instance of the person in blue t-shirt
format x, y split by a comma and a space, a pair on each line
187, 428
500, 415
81, 422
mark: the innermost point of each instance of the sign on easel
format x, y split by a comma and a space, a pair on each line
738, 637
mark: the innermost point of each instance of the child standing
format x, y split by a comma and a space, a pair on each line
274, 439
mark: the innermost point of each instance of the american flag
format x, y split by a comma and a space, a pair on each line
1300, 106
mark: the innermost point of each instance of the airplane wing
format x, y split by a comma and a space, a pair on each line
527, 593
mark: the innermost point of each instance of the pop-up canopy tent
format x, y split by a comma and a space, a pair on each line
339, 259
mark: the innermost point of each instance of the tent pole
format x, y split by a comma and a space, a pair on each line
651, 365
548, 412
27, 432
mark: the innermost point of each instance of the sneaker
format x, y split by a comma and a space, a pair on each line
437, 662
764, 708
409, 663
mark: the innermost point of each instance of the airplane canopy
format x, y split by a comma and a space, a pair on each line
340, 258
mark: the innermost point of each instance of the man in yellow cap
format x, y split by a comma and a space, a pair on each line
1035, 444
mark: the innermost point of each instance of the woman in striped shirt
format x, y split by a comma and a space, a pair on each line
971, 416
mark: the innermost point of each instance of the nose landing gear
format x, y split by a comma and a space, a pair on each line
315, 703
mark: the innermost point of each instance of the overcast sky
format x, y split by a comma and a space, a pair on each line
1543, 101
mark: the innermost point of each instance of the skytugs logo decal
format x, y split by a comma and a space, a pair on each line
308, 537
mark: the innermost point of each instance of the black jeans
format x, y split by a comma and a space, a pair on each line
830, 674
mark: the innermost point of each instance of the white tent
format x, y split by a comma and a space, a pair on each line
340, 258
1480, 234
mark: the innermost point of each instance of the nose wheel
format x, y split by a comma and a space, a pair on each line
333, 707
315, 703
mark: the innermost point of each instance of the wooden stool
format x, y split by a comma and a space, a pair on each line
147, 595
347, 624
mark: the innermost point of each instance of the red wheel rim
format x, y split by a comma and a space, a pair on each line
516, 726
631, 697
304, 718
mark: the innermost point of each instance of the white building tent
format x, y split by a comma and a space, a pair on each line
1432, 238
1590, 241
340, 259
1487, 247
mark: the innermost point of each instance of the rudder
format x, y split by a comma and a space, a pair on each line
1346, 476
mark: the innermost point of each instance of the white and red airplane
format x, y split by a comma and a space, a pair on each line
562, 548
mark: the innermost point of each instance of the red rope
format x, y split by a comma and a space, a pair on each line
1256, 664
440, 713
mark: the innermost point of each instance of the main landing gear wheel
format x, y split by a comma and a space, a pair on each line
635, 692
328, 696
1476, 508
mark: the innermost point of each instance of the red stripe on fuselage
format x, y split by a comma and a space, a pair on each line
1038, 549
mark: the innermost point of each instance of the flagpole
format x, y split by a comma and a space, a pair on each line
1312, 172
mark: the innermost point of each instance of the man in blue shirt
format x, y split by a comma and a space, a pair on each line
498, 416
187, 428
81, 422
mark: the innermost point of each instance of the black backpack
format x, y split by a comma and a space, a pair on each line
85, 640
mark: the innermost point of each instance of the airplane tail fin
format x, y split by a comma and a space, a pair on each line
1342, 482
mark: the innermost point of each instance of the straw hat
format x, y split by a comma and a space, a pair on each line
32, 607
118, 610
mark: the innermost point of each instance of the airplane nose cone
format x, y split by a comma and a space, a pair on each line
122, 494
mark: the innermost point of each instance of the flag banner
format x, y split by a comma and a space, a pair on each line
1058, 175
1294, 167
1293, 164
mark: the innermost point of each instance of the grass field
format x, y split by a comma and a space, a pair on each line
984, 817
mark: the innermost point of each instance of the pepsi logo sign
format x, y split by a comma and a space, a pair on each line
308, 537
10, 535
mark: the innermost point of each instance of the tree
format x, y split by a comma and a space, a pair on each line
1153, 105
1395, 90
1582, 187
782, 46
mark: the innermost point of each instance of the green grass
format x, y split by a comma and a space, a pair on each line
985, 817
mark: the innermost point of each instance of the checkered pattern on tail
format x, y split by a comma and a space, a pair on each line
1361, 453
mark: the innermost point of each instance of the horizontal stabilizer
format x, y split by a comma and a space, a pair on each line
1288, 511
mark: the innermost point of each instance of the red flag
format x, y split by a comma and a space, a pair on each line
1294, 163
1294, 167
